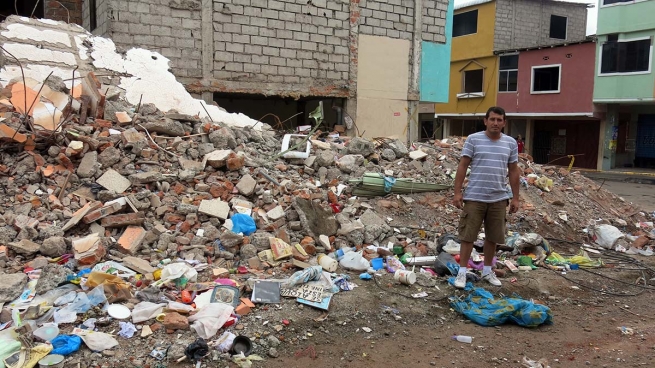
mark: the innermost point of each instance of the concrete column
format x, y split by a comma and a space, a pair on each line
207, 33
413, 93
601, 144
609, 152
351, 102
446, 128
529, 136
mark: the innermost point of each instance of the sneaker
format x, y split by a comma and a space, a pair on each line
492, 279
460, 281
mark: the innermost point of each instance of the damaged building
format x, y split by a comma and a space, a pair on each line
370, 61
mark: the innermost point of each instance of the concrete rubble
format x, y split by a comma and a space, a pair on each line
156, 186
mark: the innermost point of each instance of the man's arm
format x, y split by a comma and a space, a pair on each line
514, 183
463, 166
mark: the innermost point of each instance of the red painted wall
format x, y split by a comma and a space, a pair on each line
576, 86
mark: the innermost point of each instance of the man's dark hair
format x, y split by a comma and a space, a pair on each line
496, 110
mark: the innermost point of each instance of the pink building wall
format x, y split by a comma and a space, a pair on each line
576, 84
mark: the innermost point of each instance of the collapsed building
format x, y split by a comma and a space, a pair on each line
105, 157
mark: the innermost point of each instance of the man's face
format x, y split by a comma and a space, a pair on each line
494, 123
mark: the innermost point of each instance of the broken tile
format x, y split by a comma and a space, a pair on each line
215, 207
114, 181
131, 240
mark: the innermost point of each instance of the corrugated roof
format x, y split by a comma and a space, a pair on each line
467, 3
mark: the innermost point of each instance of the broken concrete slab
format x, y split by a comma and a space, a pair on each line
146, 177
114, 181
275, 213
315, 219
247, 185
417, 155
78, 215
24, 247
370, 218
89, 165
139, 265
216, 159
54, 246
360, 146
12, 286
215, 207
130, 241
165, 126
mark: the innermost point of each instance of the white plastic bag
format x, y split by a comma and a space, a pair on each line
210, 319
145, 311
96, 341
225, 342
175, 271
607, 235
452, 247
354, 261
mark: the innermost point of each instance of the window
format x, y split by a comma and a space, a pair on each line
545, 79
509, 71
625, 56
558, 27
473, 81
465, 23
93, 16
609, 2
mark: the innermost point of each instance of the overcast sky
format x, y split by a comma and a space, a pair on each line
591, 14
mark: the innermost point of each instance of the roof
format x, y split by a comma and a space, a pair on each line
568, 43
466, 3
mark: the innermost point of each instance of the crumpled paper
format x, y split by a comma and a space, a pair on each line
127, 330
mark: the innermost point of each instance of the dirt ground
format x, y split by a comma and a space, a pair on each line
641, 193
417, 332
405, 331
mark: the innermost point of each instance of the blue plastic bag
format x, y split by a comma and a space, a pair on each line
481, 307
65, 344
242, 223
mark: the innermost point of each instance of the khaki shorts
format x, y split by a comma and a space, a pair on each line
475, 213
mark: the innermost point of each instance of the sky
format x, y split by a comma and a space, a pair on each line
591, 14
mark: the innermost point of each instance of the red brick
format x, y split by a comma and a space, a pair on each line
102, 212
123, 220
131, 240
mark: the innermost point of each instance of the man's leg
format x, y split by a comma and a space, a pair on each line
494, 228
469, 226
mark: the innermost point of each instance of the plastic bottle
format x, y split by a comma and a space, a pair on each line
463, 338
329, 264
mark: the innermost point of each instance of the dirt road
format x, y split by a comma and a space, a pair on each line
642, 194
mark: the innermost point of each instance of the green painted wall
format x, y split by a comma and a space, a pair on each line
625, 87
627, 17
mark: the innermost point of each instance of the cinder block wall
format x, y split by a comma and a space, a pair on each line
526, 23
272, 47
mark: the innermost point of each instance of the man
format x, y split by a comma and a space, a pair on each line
490, 154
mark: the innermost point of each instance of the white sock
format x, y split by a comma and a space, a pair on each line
462, 270
486, 270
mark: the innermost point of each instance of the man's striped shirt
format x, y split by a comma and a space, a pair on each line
489, 160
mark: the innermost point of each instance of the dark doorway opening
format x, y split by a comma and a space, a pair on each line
556, 140
283, 113
24, 8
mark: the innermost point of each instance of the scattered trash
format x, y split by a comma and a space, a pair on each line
463, 338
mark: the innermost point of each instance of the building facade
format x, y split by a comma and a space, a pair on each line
488, 67
547, 93
624, 89
375, 60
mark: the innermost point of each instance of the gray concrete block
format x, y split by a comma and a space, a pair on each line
308, 45
270, 14
270, 51
136, 28
284, 34
292, 44
276, 5
223, 56
275, 42
277, 24
320, 39
252, 12
259, 3
252, 68
234, 47
278, 61
269, 69
259, 40
301, 36
232, 28
241, 38
258, 59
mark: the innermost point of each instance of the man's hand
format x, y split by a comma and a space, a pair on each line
458, 201
514, 205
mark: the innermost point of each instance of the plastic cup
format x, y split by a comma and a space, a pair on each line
405, 277
377, 263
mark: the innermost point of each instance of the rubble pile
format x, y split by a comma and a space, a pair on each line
112, 199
